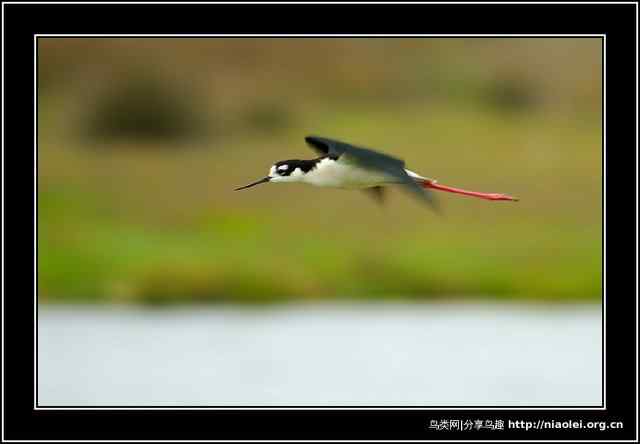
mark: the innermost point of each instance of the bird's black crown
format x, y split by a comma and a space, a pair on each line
291, 165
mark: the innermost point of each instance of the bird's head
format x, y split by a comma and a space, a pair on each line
283, 171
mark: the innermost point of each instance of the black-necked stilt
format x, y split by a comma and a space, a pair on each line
342, 165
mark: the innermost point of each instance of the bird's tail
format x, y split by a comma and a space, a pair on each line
432, 184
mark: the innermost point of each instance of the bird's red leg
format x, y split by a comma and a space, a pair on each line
488, 196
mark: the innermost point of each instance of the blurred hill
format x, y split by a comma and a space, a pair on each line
141, 142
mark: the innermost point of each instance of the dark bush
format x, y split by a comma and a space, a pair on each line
510, 94
267, 117
144, 108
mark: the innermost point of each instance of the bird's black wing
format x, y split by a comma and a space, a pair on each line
327, 147
369, 159
377, 193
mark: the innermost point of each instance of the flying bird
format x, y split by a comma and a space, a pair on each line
342, 165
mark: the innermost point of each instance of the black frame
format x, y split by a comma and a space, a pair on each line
21, 24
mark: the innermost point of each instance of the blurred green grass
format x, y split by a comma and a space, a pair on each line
156, 221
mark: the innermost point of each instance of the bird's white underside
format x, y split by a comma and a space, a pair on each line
337, 174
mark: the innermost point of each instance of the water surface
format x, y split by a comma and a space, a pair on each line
321, 355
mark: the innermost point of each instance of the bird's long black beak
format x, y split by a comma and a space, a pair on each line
263, 180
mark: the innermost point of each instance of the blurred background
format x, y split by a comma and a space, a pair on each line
159, 285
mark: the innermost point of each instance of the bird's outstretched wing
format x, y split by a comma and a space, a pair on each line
369, 159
